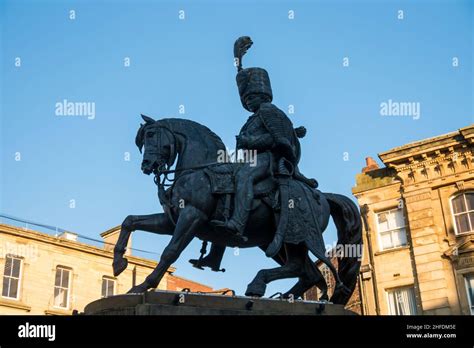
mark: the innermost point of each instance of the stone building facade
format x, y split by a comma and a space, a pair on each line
418, 213
55, 275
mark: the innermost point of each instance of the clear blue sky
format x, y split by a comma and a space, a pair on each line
189, 62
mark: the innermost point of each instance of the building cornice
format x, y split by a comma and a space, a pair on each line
464, 244
436, 161
411, 153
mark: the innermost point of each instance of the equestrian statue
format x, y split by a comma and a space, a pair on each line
267, 204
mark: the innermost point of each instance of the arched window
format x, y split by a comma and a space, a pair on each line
463, 212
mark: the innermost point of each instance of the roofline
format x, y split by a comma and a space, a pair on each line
66, 243
400, 152
193, 281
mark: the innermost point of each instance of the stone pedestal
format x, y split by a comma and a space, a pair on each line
183, 303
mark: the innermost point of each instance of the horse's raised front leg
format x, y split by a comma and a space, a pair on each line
156, 223
190, 219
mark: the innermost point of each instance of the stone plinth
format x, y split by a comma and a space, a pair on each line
183, 303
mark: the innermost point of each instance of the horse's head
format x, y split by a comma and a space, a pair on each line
159, 146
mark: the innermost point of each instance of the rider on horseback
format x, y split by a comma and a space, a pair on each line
268, 132
206, 187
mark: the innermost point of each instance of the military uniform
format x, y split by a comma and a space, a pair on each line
270, 133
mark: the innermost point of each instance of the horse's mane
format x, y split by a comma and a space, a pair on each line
198, 132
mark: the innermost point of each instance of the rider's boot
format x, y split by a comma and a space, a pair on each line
212, 260
242, 207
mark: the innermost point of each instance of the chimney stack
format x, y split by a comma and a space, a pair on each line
370, 164
68, 236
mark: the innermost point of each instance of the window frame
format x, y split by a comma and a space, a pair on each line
108, 279
470, 301
453, 215
20, 276
391, 231
391, 291
68, 297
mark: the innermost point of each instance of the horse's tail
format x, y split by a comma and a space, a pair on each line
347, 219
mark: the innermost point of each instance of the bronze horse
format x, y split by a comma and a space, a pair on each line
189, 205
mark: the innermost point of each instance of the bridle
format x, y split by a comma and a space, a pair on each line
162, 172
169, 162
153, 148
163, 168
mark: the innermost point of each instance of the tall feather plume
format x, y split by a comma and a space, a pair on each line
241, 45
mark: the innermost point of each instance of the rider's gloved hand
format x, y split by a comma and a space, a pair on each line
242, 141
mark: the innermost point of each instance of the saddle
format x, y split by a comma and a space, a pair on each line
222, 179
298, 224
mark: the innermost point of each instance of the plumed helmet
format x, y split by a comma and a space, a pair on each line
250, 80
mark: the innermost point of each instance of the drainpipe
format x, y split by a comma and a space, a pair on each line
363, 306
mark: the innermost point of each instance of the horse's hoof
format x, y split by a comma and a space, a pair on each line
253, 294
341, 294
138, 289
255, 290
324, 298
119, 265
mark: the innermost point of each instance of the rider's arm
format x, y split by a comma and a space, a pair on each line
259, 142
